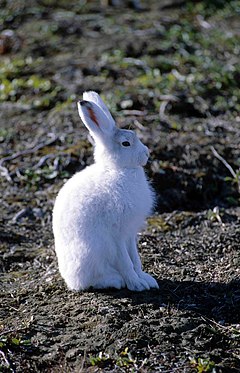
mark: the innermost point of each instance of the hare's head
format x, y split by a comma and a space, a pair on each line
113, 146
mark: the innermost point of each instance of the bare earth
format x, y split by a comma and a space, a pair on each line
191, 244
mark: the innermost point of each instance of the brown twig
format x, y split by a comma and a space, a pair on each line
6, 360
27, 151
15, 330
227, 165
4, 171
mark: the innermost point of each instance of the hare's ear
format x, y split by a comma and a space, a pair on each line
94, 97
94, 118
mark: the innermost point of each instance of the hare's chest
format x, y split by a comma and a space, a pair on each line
142, 199
139, 199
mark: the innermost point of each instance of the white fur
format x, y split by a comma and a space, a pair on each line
99, 211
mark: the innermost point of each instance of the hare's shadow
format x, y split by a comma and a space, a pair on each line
214, 300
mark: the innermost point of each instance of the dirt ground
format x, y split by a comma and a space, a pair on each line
170, 70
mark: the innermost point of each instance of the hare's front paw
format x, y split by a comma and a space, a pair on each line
137, 284
149, 279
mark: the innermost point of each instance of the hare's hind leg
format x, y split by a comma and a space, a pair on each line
75, 280
112, 279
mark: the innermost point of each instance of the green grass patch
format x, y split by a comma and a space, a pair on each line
192, 61
116, 360
19, 83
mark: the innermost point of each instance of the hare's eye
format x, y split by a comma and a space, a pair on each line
126, 143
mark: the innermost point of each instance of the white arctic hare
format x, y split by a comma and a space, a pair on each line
99, 211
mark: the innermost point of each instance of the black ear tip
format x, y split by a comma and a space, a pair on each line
84, 103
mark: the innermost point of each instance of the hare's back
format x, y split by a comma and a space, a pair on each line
88, 194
